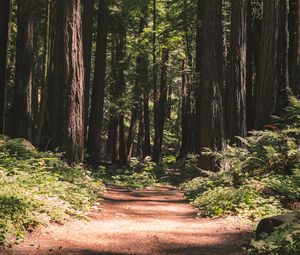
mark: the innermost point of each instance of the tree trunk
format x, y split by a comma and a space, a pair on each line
74, 81
41, 113
295, 77
5, 13
88, 29
139, 87
22, 109
66, 81
237, 75
211, 81
283, 72
184, 114
199, 53
161, 108
269, 65
96, 115
119, 155
249, 71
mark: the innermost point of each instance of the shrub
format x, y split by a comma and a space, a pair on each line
37, 187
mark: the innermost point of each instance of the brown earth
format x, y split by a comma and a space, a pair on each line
151, 221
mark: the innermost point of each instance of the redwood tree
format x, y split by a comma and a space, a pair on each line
87, 30
295, 47
270, 65
96, 115
5, 9
236, 87
211, 133
66, 81
22, 110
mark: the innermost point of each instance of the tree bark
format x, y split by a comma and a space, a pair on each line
237, 75
140, 85
88, 29
161, 108
211, 130
119, 155
5, 13
295, 76
41, 112
96, 115
22, 108
66, 81
269, 65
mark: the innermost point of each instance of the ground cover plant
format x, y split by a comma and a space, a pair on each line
138, 174
259, 177
36, 187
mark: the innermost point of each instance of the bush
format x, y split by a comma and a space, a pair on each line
265, 170
37, 187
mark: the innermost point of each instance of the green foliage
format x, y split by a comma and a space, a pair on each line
245, 200
284, 240
37, 187
139, 174
257, 178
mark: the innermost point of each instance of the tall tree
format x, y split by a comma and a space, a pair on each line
87, 30
41, 112
270, 65
5, 12
161, 107
211, 130
295, 47
66, 81
96, 115
237, 75
140, 83
117, 139
22, 109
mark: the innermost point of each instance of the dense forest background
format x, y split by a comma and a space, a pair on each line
112, 80
178, 96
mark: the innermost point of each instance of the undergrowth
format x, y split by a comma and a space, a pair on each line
260, 178
284, 240
139, 174
37, 187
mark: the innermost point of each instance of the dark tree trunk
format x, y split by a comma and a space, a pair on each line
146, 122
73, 142
292, 35
22, 108
199, 53
87, 30
249, 71
161, 108
119, 155
66, 81
41, 112
185, 129
5, 12
96, 115
237, 75
295, 75
52, 128
120, 57
269, 66
211, 130
138, 89
283, 72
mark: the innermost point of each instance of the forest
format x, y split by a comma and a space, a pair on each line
167, 112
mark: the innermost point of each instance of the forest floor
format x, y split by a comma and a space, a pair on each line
150, 221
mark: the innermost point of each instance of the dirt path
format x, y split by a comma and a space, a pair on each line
154, 221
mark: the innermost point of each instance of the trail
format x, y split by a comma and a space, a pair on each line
152, 221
